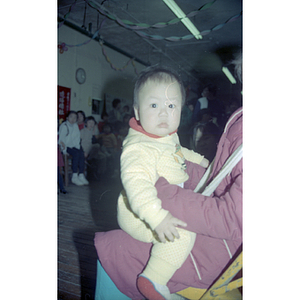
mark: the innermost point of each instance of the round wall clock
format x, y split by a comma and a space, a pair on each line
80, 75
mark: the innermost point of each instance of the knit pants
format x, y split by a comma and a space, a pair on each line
165, 258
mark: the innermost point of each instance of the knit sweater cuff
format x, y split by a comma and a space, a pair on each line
155, 221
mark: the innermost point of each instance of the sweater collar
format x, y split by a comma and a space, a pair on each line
136, 125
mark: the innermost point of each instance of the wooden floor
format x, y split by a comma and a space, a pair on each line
82, 212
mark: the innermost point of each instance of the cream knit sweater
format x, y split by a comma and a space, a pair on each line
144, 159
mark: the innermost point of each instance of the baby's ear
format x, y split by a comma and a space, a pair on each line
136, 113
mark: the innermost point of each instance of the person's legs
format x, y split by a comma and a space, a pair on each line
165, 259
81, 160
75, 159
81, 164
60, 182
75, 156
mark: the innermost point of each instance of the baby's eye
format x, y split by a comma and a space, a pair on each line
171, 105
153, 105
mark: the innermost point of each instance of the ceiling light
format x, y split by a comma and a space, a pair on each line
186, 21
229, 75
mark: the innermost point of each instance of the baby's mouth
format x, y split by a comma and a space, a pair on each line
163, 125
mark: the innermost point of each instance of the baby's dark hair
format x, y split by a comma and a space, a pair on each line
157, 73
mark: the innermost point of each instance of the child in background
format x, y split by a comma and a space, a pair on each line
89, 136
69, 140
115, 114
80, 119
96, 158
109, 139
102, 121
125, 111
152, 150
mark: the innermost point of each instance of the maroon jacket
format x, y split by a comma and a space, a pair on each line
213, 219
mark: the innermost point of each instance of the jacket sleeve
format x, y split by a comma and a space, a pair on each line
217, 217
192, 156
138, 174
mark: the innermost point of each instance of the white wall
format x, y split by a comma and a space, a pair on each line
100, 77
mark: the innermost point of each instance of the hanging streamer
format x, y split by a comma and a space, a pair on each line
112, 65
63, 47
138, 26
66, 15
189, 36
183, 38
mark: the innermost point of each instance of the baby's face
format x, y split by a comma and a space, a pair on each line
159, 107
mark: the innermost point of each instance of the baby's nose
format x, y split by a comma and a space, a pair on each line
163, 110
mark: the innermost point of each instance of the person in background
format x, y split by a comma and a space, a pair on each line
210, 102
89, 136
115, 115
232, 106
95, 157
69, 141
109, 139
185, 128
102, 121
125, 110
126, 119
80, 119
206, 135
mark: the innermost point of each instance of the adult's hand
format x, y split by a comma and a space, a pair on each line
218, 217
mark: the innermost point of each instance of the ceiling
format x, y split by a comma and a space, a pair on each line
198, 61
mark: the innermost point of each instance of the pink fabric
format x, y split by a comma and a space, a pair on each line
213, 219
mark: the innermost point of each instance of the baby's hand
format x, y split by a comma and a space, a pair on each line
167, 228
204, 163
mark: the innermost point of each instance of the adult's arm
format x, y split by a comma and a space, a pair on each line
216, 216
195, 172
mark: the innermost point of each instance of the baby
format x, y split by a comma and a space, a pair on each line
152, 150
